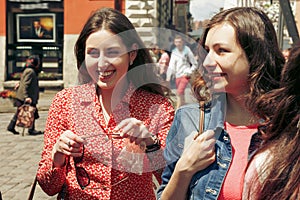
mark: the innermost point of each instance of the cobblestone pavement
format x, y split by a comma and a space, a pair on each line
19, 154
19, 160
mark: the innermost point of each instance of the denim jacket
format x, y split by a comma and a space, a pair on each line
207, 183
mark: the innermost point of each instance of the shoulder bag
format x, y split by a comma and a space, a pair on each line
25, 116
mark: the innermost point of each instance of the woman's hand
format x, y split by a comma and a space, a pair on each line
135, 130
199, 155
17, 86
68, 144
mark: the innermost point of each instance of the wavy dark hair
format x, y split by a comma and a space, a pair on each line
256, 36
114, 21
281, 110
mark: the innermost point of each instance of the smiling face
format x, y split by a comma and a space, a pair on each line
226, 63
106, 61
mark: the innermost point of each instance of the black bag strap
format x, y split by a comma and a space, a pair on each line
32, 189
31, 194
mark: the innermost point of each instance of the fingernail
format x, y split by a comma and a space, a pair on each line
121, 133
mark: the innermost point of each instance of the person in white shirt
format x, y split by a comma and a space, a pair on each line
182, 64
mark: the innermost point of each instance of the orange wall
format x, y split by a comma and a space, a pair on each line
76, 12
2, 18
123, 6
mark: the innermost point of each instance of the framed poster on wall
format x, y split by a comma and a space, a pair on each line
38, 27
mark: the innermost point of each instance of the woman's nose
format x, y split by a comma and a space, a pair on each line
102, 61
209, 62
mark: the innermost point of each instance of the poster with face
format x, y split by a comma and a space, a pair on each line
39, 27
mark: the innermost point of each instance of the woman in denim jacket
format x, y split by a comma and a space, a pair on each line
243, 62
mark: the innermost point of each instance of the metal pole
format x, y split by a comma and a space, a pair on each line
289, 19
280, 28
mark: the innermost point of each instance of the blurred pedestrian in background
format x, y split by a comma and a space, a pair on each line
28, 92
182, 64
154, 52
286, 53
163, 63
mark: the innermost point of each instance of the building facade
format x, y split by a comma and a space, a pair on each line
62, 21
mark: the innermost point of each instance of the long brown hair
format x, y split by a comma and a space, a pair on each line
281, 110
256, 35
114, 21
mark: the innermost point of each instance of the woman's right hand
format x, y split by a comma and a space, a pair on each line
199, 155
68, 144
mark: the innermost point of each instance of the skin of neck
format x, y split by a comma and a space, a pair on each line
237, 113
116, 94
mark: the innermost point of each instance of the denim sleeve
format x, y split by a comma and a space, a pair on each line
185, 122
171, 158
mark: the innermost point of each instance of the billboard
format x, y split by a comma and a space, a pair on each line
38, 27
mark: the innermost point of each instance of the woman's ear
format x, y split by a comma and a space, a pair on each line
133, 53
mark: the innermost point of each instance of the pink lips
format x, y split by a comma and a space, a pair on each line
212, 75
216, 76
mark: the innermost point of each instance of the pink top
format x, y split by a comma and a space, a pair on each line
164, 63
78, 109
240, 137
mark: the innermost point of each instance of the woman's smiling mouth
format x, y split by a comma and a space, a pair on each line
106, 74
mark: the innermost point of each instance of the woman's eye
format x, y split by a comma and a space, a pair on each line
222, 50
112, 53
93, 52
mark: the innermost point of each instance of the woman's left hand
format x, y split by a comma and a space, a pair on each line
135, 130
17, 86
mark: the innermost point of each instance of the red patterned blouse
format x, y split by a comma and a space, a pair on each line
112, 167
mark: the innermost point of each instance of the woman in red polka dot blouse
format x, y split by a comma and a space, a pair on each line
104, 138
